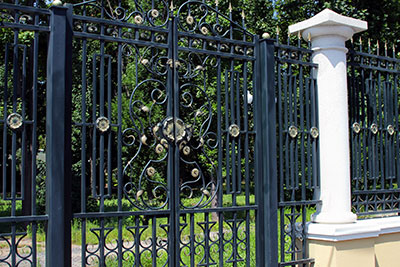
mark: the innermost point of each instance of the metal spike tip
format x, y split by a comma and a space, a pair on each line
277, 30
369, 42
309, 37
216, 2
230, 7
172, 5
243, 16
377, 44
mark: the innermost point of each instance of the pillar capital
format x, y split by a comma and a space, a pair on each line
328, 23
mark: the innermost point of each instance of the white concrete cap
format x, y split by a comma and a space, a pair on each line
329, 18
361, 229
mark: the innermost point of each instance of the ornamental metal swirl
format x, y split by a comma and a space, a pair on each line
157, 15
150, 190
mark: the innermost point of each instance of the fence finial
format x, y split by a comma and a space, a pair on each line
369, 45
385, 49
394, 51
265, 35
377, 47
230, 7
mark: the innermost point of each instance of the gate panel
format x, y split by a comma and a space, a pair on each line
167, 136
217, 177
124, 164
23, 46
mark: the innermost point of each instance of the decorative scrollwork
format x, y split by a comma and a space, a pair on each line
151, 58
103, 244
23, 252
148, 192
156, 16
235, 238
193, 17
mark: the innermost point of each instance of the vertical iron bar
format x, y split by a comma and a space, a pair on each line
83, 145
119, 157
228, 180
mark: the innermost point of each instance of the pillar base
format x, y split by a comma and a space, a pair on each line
366, 243
334, 218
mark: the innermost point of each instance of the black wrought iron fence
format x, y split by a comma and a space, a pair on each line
161, 141
297, 148
373, 84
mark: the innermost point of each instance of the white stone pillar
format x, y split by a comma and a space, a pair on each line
328, 32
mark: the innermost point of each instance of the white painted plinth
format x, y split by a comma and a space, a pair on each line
328, 32
367, 228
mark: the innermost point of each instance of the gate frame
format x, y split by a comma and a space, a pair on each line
58, 138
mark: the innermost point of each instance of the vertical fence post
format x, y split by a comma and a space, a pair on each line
58, 138
268, 188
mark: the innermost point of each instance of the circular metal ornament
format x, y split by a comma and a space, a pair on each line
204, 30
234, 130
155, 13
159, 148
314, 132
293, 131
138, 19
374, 128
190, 20
151, 171
14, 121
356, 127
186, 150
174, 129
195, 172
390, 129
102, 124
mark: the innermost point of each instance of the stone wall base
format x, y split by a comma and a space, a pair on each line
376, 244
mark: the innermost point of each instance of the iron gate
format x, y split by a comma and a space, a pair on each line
182, 133
157, 121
